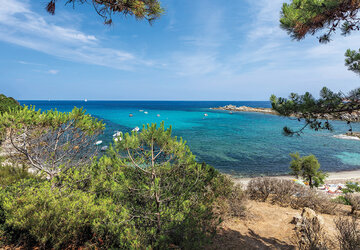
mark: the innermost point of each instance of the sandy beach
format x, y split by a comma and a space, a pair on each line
333, 178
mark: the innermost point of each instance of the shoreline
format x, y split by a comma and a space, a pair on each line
233, 108
333, 178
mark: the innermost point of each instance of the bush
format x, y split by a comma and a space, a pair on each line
10, 174
353, 200
276, 190
146, 192
316, 201
8, 103
311, 236
260, 188
41, 215
170, 195
288, 193
232, 199
51, 141
348, 233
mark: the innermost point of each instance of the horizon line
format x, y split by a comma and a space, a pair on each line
96, 100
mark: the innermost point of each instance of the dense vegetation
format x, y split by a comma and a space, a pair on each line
7, 103
51, 141
147, 191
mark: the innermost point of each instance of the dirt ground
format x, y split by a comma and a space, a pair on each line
266, 226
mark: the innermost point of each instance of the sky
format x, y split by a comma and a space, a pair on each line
198, 50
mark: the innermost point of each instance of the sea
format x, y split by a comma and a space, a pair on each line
241, 144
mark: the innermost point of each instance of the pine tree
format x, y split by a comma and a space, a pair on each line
149, 10
308, 168
308, 17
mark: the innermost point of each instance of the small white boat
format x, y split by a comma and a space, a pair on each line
117, 134
158, 115
136, 129
85, 100
141, 110
146, 112
98, 143
104, 148
206, 114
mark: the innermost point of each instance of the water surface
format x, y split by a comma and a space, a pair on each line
241, 144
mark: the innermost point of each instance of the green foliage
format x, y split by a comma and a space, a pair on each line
341, 200
316, 113
352, 60
168, 193
8, 103
351, 196
10, 174
308, 168
302, 17
51, 140
141, 9
351, 187
146, 192
50, 217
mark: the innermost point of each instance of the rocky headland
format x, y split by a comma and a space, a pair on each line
234, 108
345, 116
353, 117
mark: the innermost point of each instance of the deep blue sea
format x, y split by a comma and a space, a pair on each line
241, 144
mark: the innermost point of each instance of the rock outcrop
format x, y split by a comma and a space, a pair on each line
246, 109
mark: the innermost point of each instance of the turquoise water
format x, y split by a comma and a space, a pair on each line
241, 144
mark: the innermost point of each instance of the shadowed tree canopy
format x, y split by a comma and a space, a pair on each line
141, 9
300, 18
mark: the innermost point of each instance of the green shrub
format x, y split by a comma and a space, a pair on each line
351, 197
8, 103
170, 195
146, 192
51, 141
43, 215
11, 174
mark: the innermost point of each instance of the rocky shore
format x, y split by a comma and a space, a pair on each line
353, 117
247, 109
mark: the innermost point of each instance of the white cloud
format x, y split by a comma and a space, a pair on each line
53, 71
30, 63
21, 26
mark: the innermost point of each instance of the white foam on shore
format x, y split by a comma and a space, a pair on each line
347, 137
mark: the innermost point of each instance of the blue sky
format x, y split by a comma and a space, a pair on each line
199, 50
